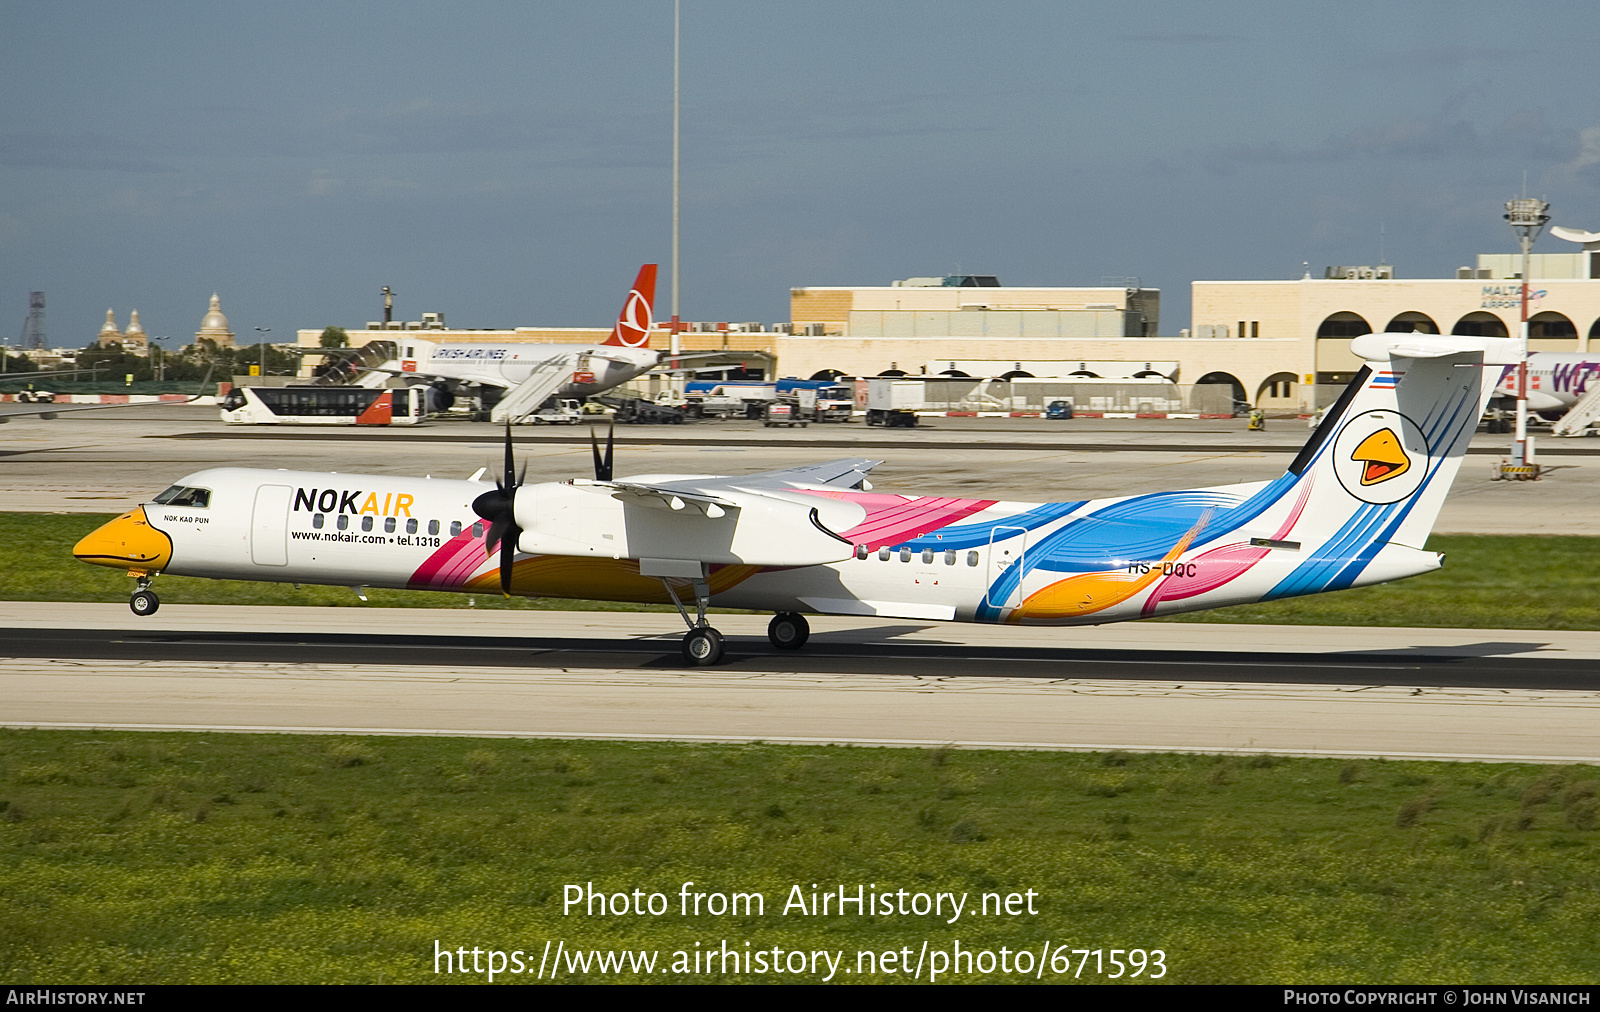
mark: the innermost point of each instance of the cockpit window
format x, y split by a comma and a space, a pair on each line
178, 495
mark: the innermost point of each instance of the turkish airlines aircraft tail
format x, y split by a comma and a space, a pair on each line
634, 322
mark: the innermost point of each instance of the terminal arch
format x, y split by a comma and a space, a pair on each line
827, 374
1278, 391
1345, 325
1236, 388
1551, 325
1412, 323
893, 372
1480, 324
1017, 374
1594, 333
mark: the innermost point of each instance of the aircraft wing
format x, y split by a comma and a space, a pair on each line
481, 379
846, 473
773, 518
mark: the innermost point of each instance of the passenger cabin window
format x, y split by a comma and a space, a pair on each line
883, 554
366, 523
905, 555
477, 529
388, 525
972, 558
927, 556
950, 558
411, 526
455, 528
433, 527
344, 521
177, 495
316, 520
861, 551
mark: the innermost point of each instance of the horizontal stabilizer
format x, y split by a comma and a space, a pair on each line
1382, 347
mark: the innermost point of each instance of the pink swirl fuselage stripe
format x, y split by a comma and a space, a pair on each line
1223, 564
892, 519
450, 566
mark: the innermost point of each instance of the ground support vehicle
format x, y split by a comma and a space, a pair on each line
638, 411
563, 411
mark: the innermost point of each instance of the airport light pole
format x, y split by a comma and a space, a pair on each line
676, 345
1527, 217
264, 331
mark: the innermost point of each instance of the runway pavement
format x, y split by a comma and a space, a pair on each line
1458, 694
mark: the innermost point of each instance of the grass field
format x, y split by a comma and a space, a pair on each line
147, 858
1525, 582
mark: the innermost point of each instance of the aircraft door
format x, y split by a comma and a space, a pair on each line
269, 526
1008, 548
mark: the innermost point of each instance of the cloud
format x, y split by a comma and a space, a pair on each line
1452, 56
1182, 38
1441, 136
322, 184
90, 151
1584, 167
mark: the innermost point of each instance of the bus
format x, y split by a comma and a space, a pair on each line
313, 405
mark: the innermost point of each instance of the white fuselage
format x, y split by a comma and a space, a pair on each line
507, 365
422, 534
1556, 380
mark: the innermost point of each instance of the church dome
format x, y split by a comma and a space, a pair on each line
214, 327
109, 328
135, 329
214, 320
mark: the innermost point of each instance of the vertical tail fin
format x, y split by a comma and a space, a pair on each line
633, 325
1383, 459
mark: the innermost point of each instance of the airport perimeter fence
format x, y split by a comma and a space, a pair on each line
1140, 397
941, 393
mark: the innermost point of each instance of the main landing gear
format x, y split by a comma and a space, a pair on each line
788, 630
703, 646
144, 601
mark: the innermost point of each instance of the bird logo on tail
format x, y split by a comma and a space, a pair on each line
635, 321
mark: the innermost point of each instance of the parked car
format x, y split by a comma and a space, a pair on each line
1058, 409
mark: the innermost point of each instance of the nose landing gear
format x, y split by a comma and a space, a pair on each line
144, 601
702, 645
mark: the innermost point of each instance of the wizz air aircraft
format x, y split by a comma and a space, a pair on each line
1354, 508
1557, 380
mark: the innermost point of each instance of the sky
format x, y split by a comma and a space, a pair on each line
509, 164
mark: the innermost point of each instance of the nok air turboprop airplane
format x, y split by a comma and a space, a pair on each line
1354, 508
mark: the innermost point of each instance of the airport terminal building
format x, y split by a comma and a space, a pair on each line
1280, 345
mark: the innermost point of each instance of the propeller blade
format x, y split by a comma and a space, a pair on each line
499, 508
511, 465
497, 532
508, 551
602, 467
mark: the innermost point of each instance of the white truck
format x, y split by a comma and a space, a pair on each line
558, 411
894, 402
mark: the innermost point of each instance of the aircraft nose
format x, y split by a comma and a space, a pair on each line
128, 542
